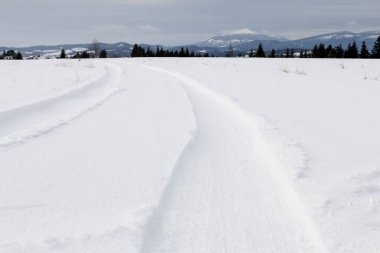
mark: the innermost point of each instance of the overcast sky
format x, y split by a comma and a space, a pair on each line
171, 22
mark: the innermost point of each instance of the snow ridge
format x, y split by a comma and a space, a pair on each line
38, 118
204, 184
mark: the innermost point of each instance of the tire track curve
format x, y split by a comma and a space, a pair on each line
30, 121
228, 191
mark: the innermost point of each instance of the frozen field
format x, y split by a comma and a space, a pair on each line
190, 155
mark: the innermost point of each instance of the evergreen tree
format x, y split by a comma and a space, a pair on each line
149, 52
321, 51
364, 53
376, 49
339, 51
135, 50
329, 53
230, 52
272, 53
301, 53
347, 51
287, 55
260, 52
103, 54
354, 50
314, 53
182, 52
18, 56
351, 51
251, 53
84, 55
138, 51
63, 54
292, 53
157, 51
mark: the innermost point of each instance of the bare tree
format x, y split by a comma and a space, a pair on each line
95, 47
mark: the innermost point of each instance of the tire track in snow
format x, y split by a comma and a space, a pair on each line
228, 191
30, 121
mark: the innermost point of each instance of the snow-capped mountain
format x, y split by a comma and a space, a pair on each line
343, 38
242, 40
247, 40
120, 49
236, 38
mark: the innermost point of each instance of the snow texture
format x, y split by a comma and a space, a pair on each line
190, 155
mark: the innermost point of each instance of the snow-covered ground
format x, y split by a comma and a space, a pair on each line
190, 155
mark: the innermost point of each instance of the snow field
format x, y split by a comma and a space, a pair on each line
330, 112
174, 227
190, 155
80, 190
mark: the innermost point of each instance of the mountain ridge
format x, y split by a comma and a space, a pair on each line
242, 42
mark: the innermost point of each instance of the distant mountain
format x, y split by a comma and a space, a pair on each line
343, 38
245, 42
242, 40
120, 49
237, 39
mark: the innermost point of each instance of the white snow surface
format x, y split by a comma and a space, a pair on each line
190, 155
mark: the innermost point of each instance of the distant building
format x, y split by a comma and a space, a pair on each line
9, 55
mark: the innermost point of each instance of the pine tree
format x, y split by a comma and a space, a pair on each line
339, 51
138, 51
135, 50
230, 52
292, 53
182, 52
364, 53
260, 52
18, 56
314, 53
287, 55
103, 54
272, 53
329, 53
251, 53
376, 49
347, 52
354, 50
321, 51
84, 55
301, 53
63, 54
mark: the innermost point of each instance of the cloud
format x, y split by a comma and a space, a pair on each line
353, 24
141, 2
147, 28
123, 29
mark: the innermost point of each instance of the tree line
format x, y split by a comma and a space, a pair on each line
318, 51
139, 51
11, 55
84, 54
322, 51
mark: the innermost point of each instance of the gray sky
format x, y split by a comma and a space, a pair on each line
172, 22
